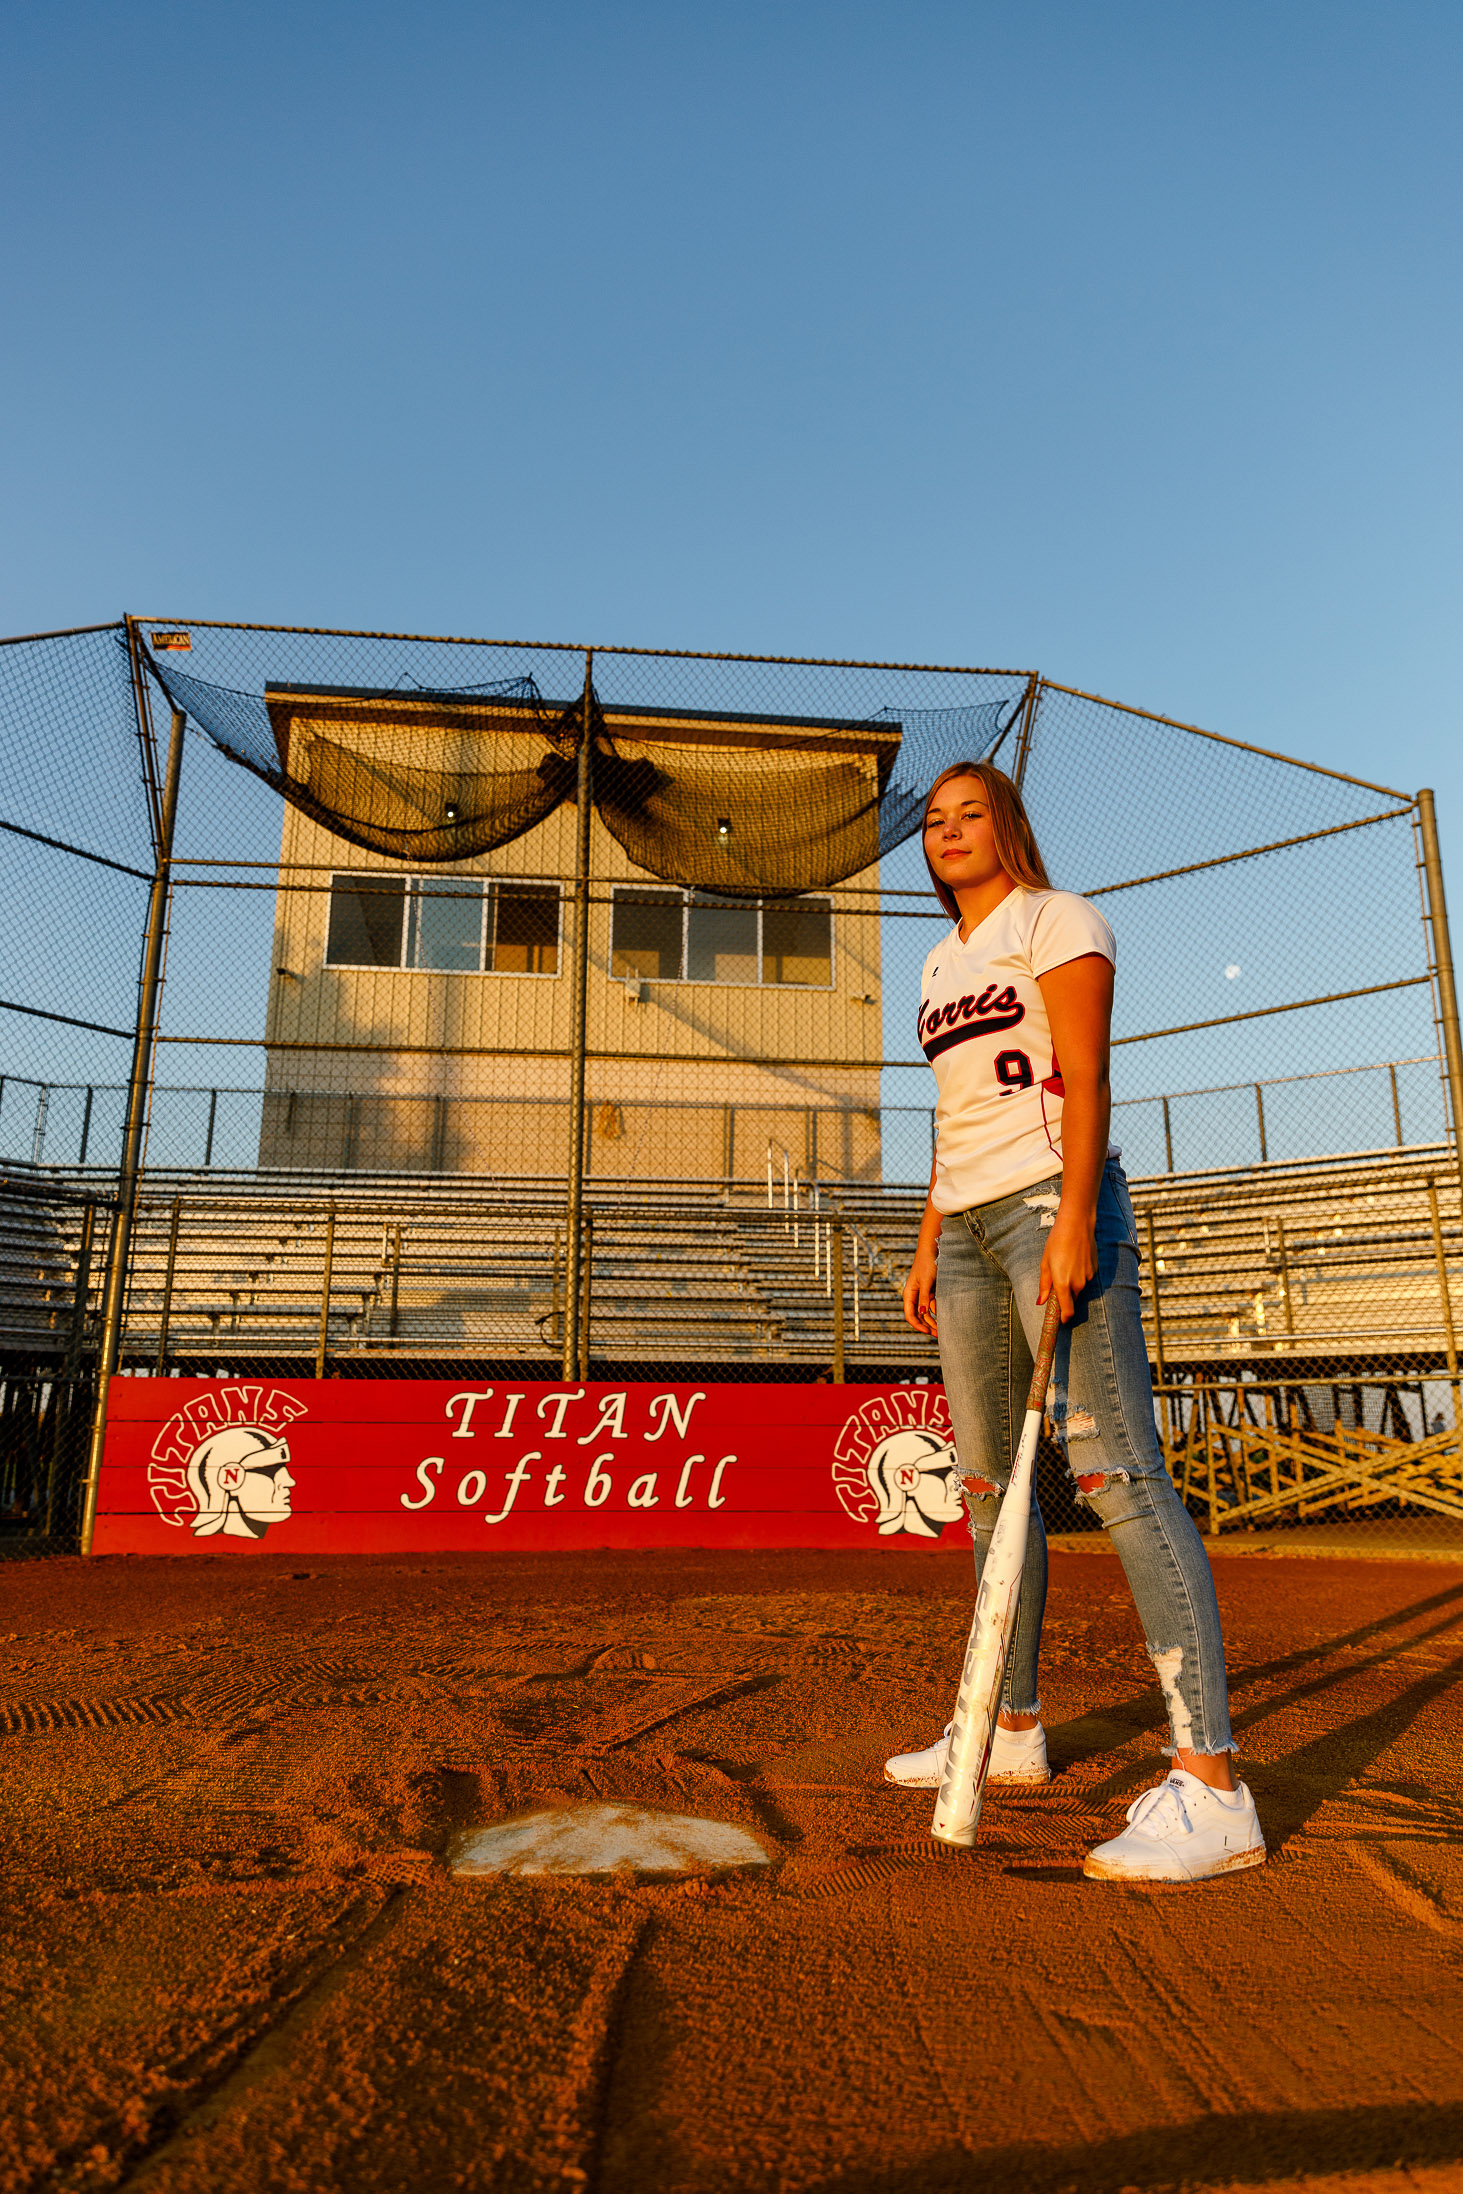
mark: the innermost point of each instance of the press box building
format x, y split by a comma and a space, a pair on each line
419, 1017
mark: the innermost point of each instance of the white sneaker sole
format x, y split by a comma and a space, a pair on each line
1109, 1870
932, 1782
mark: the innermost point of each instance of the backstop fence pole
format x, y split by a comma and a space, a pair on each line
1028, 726
1442, 957
578, 1041
114, 1290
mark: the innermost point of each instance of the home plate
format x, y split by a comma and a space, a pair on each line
604, 1839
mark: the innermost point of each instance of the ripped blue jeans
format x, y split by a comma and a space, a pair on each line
1102, 1401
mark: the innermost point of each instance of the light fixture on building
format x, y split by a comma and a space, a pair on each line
723, 828
453, 812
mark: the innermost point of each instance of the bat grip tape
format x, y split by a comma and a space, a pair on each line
1041, 1377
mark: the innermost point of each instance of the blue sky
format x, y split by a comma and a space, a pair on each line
1118, 340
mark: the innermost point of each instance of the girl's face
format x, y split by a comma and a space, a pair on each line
958, 839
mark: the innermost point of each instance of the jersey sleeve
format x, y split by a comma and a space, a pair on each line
1066, 927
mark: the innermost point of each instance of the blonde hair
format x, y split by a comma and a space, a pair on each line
1015, 841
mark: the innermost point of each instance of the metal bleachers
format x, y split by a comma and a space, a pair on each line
1331, 1268
438, 1273
48, 1264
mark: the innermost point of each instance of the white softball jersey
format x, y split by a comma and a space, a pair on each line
983, 1028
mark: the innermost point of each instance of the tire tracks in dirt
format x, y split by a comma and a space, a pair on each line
599, 2032
1407, 1891
209, 2075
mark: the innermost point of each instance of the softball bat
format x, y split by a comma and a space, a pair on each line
978, 1700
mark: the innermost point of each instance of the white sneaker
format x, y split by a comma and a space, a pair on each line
1017, 1756
1181, 1831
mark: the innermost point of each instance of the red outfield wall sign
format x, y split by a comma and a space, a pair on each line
345, 1466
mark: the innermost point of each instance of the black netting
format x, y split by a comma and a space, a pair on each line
723, 800
742, 806
70, 695
424, 776
78, 786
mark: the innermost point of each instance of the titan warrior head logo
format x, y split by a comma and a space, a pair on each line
222, 1465
894, 1463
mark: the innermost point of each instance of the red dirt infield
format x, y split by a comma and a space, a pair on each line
232, 1956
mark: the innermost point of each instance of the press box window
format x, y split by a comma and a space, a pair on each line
523, 929
365, 921
721, 942
797, 942
674, 936
447, 924
649, 935
444, 927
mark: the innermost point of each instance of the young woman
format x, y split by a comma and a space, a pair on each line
1027, 1198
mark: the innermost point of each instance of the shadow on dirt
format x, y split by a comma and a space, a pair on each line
1296, 1785
1306, 1656
1216, 2151
1290, 1791
448, 1800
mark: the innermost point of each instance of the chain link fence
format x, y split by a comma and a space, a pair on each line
304, 1071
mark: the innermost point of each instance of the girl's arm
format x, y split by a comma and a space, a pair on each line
919, 1288
1078, 1000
